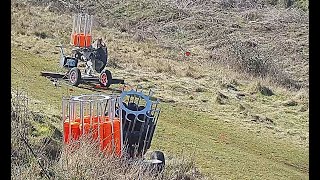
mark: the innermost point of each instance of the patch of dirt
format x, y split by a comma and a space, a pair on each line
260, 119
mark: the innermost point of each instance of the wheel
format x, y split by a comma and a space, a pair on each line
158, 155
74, 76
105, 78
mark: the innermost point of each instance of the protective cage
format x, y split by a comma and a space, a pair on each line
139, 119
81, 30
93, 115
123, 124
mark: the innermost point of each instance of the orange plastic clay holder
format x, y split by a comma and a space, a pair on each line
105, 128
81, 39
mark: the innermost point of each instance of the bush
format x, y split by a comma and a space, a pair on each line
245, 56
302, 4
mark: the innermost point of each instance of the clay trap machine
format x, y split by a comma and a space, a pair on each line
88, 61
123, 125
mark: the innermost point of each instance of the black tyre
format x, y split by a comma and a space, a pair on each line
158, 155
105, 78
74, 76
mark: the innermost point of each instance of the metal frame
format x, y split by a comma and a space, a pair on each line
95, 105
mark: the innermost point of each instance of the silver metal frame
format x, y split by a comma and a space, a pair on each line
82, 23
94, 105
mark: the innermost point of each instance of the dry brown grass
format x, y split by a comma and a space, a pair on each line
88, 162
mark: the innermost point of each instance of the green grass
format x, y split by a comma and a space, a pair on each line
220, 148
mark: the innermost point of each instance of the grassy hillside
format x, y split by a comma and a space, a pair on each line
214, 105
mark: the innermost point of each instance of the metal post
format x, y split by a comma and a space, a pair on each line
63, 117
112, 128
85, 24
70, 114
79, 23
91, 19
73, 28
81, 117
98, 115
121, 130
90, 112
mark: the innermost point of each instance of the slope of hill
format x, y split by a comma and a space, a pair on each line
214, 106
